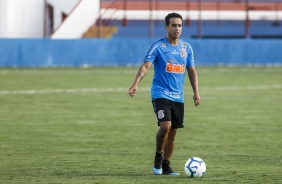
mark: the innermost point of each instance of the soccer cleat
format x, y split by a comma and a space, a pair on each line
170, 172
157, 169
167, 170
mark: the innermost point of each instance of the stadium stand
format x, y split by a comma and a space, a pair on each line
218, 27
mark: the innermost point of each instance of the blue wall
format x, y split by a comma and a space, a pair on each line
131, 51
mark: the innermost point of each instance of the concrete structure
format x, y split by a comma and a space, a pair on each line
21, 19
29, 18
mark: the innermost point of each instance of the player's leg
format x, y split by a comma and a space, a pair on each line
161, 139
169, 146
168, 151
162, 110
177, 115
162, 136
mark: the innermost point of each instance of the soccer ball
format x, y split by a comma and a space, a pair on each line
195, 167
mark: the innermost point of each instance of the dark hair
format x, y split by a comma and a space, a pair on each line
171, 15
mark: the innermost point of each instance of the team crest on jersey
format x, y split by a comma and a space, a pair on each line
163, 45
161, 114
183, 53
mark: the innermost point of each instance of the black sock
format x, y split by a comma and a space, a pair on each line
159, 154
158, 160
165, 164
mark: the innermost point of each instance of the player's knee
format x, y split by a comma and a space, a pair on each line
165, 126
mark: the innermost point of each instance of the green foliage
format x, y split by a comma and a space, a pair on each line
76, 125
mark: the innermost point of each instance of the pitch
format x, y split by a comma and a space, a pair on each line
76, 125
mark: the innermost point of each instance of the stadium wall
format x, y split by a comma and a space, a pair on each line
131, 52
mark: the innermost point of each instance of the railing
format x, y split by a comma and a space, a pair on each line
123, 10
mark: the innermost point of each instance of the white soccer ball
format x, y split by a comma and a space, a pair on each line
195, 167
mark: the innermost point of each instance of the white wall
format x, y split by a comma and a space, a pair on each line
25, 18
19, 19
3, 19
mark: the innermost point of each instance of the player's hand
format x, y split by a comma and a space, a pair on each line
132, 91
197, 99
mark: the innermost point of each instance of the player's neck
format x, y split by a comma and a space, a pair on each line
172, 41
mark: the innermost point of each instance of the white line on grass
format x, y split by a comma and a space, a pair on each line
86, 90
69, 71
111, 90
275, 86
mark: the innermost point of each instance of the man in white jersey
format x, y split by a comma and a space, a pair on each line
171, 57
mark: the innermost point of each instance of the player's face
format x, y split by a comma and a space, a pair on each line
174, 28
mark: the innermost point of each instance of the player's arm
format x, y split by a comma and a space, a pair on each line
139, 76
193, 77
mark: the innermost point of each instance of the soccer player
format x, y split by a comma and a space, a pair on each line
171, 57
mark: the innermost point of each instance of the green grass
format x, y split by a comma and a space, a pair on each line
53, 131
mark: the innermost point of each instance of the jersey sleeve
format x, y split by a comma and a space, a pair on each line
152, 53
190, 57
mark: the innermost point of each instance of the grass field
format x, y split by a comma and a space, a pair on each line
76, 125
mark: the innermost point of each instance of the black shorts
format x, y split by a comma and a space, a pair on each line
167, 110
